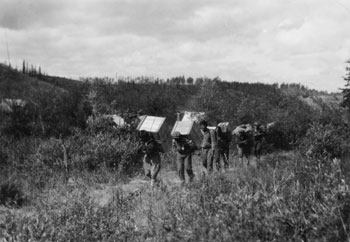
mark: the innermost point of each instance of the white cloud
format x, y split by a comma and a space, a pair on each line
270, 41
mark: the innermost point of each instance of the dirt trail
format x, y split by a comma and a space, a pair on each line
104, 194
135, 186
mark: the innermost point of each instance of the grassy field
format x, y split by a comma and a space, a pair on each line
272, 202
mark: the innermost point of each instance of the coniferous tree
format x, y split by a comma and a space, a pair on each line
24, 67
346, 90
190, 81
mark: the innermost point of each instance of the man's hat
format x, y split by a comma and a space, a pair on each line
176, 135
143, 134
203, 122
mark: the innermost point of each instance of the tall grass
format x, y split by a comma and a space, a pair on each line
275, 202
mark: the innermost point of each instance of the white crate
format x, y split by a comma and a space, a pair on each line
190, 129
155, 126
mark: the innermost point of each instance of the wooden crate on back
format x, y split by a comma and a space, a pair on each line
155, 126
190, 129
225, 127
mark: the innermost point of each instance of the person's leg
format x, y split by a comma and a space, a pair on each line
180, 166
217, 157
225, 155
240, 154
210, 158
146, 166
258, 150
155, 160
254, 149
246, 152
204, 157
188, 165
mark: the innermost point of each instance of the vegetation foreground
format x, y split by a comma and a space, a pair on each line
285, 198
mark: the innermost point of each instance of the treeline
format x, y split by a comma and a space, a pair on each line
31, 70
179, 80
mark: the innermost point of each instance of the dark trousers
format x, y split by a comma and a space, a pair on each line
226, 152
184, 162
257, 149
207, 159
217, 155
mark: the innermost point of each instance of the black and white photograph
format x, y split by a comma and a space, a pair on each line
175, 120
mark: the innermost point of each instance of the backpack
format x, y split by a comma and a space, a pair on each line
160, 147
153, 147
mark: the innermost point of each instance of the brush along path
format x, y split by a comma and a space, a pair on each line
169, 181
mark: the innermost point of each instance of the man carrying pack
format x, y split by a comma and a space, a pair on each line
217, 142
184, 148
226, 140
206, 147
151, 160
243, 145
258, 139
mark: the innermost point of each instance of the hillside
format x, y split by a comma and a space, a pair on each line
331, 101
14, 84
53, 105
317, 100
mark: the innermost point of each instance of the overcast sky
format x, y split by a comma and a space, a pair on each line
300, 41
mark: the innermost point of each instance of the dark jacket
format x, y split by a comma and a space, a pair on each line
151, 148
243, 140
226, 138
258, 134
184, 146
217, 138
206, 142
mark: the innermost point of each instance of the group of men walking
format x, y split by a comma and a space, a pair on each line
213, 148
248, 140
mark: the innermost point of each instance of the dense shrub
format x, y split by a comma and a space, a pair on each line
3, 156
17, 153
110, 146
327, 141
104, 149
11, 194
266, 205
97, 124
272, 204
50, 153
85, 151
80, 220
283, 200
19, 123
